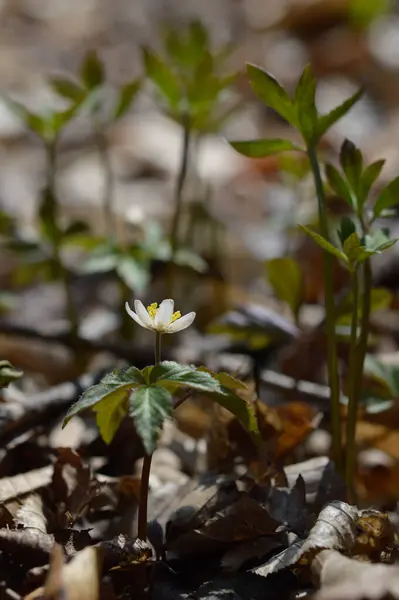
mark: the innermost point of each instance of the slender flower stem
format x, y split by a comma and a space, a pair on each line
178, 204
352, 391
145, 473
333, 375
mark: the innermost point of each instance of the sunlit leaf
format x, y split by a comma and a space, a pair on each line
149, 406
378, 241
188, 258
325, 244
109, 414
92, 70
262, 148
127, 94
169, 373
116, 383
304, 102
326, 121
271, 93
388, 198
286, 278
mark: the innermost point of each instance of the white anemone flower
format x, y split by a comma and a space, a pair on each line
160, 318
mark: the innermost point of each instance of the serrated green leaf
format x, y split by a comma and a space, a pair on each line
286, 278
351, 160
271, 93
92, 70
388, 198
227, 380
262, 148
118, 382
163, 77
240, 408
169, 373
326, 121
198, 40
67, 88
149, 406
127, 94
339, 185
369, 176
109, 414
304, 103
134, 273
325, 244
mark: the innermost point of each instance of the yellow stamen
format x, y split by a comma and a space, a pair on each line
152, 310
176, 315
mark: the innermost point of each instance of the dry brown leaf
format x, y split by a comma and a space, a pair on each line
31, 514
376, 435
72, 486
241, 553
243, 520
375, 535
342, 578
19, 485
192, 419
31, 547
335, 528
79, 579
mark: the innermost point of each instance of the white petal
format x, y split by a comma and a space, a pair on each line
143, 315
132, 314
164, 314
181, 323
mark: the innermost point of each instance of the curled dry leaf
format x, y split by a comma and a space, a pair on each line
31, 547
343, 578
335, 528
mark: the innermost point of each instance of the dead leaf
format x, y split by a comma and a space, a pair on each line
31, 547
375, 535
249, 550
343, 578
19, 485
77, 580
335, 528
31, 514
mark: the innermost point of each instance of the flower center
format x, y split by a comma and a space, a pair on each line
152, 310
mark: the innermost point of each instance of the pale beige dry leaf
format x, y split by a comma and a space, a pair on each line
39, 545
342, 578
335, 529
31, 514
79, 579
19, 485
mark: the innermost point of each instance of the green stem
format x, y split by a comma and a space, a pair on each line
105, 159
51, 156
178, 204
333, 375
352, 391
145, 473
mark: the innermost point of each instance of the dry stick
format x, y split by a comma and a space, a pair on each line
333, 375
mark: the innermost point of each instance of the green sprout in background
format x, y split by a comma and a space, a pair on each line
358, 243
